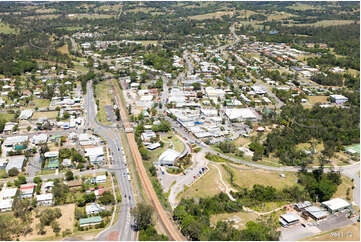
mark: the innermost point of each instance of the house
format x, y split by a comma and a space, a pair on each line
101, 179
15, 162
168, 157
93, 208
27, 190
153, 146
44, 199
40, 139
336, 205
338, 99
90, 221
96, 154
25, 114
66, 162
6, 205
8, 193
289, 219
147, 135
51, 154
75, 184
47, 186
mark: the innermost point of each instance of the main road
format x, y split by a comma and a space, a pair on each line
122, 229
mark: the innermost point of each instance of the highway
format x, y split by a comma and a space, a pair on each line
122, 229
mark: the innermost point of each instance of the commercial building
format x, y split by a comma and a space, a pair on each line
27, 190
6, 205
25, 114
168, 157
338, 99
336, 205
96, 154
315, 213
289, 219
8, 193
241, 114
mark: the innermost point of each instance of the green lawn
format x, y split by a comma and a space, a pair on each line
7, 116
6, 29
41, 103
103, 94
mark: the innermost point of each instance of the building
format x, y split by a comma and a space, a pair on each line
338, 99
90, 221
168, 157
25, 114
96, 154
15, 162
302, 205
6, 205
336, 205
44, 199
40, 139
75, 184
240, 114
27, 190
8, 193
101, 179
289, 219
93, 208
315, 213
11, 141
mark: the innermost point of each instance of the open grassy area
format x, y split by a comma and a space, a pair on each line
64, 49
208, 185
92, 16
342, 189
302, 6
41, 103
326, 23
248, 178
49, 115
6, 29
348, 233
317, 99
104, 95
240, 218
218, 14
7, 116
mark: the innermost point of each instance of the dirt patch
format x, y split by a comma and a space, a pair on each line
66, 221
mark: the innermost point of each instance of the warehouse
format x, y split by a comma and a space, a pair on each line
289, 219
336, 205
315, 213
168, 157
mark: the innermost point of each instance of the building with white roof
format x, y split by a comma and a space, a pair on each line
15, 162
6, 205
93, 208
168, 157
241, 114
101, 179
8, 193
40, 138
289, 219
10, 141
336, 205
96, 154
338, 99
25, 114
44, 199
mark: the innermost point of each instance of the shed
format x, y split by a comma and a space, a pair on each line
336, 205
90, 221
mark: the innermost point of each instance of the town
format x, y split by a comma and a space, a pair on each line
231, 134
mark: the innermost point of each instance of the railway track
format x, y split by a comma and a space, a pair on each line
169, 226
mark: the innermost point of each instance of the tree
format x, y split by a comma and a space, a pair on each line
143, 214
13, 172
107, 198
37, 180
69, 175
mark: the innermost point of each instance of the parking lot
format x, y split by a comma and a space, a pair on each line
333, 221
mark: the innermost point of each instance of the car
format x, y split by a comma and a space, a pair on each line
118, 149
303, 225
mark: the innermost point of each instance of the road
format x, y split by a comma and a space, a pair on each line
122, 228
171, 229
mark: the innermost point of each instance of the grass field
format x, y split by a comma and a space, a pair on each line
208, 185
218, 14
248, 178
49, 115
41, 103
103, 94
302, 6
7, 116
326, 23
348, 233
6, 29
92, 16
45, 10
